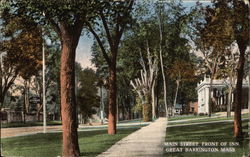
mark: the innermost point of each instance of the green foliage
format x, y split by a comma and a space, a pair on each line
138, 105
52, 77
23, 44
182, 70
70, 12
99, 61
21, 40
176, 46
219, 31
86, 91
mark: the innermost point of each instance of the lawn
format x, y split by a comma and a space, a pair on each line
205, 119
91, 143
214, 132
184, 117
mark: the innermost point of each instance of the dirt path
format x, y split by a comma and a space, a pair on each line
22, 131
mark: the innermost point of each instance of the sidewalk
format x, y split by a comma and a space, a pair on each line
146, 142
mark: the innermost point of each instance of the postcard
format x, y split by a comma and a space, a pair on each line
124, 78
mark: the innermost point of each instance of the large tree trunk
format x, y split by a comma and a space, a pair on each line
229, 104
153, 100
157, 99
101, 106
25, 100
161, 62
1, 87
209, 97
176, 94
38, 114
26, 97
146, 107
164, 82
242, 38
39, 107
4, 86
112, 100
59, 96
162, 69
2, 97
123, 111
24, 108
68, 102
237, 110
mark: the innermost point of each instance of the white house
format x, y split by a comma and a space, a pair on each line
218, 94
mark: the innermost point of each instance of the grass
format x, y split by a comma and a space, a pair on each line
213, 132
50, 123
20, 124
105, 127
208, 119
91, 143
131, 121
184, 117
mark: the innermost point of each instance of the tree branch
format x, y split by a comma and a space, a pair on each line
105, 55
120, 27
54, 25
107, 30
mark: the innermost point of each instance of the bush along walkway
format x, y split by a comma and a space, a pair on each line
146, 142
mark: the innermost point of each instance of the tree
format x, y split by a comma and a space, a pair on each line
86, 92
174, 45
22, 43
216, 36
114, 17
145, 85
241, 32
160, 23
67, 19
52, 83
229, 18
174, 26
181, 71
228, 72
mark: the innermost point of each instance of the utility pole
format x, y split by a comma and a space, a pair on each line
77, 109
101, 107
248, 76
44, 92
247, 2
1, 84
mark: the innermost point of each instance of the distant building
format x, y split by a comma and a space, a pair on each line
219, 95
10, 115
178, 109
193, 107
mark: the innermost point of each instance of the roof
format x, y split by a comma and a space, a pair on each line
205, 83
178, 106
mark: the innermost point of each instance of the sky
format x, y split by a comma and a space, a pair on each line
83, 51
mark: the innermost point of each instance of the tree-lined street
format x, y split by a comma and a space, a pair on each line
150, 59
